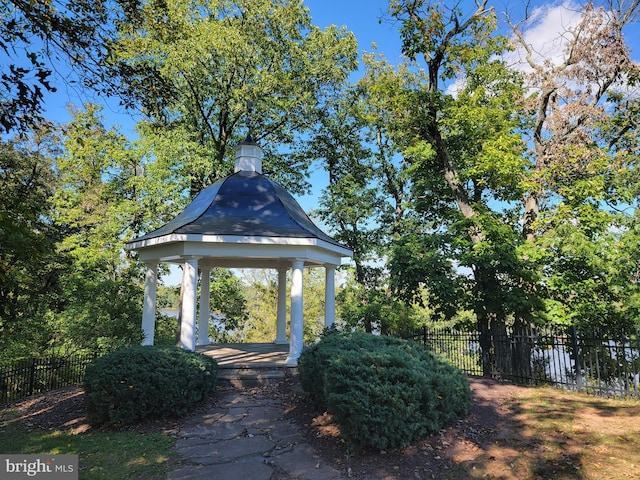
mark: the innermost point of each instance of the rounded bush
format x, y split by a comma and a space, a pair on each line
315, 359
383, 392
129, 385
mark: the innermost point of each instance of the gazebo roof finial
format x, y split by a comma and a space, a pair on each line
249, 153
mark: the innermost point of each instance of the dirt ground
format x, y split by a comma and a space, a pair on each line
499, 439
464, 450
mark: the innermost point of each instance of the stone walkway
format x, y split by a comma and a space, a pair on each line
246, 436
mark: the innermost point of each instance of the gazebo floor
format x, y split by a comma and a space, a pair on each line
247, 355
250, 364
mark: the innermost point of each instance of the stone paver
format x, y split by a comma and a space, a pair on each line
246, 436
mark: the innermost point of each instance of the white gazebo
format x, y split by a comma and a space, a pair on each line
244, 220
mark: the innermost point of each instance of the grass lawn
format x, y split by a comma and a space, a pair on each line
102, 455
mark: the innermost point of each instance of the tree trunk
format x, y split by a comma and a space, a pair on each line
502, 365
485, 345
483, 316
521, 352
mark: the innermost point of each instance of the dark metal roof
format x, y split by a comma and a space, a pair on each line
243, 204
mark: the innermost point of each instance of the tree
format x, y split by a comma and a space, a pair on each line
583, 136
568, 106
314, 307
96, 206
228, 304
497, 205
30, 266
39, 38
350, 203
261, 291
203, 71
358, 143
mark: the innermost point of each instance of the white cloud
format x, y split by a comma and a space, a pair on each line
545, 33
456, 86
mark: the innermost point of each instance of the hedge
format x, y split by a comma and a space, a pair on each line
383, 392
132, 384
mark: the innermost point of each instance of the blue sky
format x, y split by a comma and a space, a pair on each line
362, 18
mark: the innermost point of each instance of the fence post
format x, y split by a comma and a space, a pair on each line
424, 335
576, 352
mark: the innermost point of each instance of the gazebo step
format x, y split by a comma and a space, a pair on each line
252, 376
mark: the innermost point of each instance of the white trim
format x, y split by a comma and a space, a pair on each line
236, 239
329, 295
281, 315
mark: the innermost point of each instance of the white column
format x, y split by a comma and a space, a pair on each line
296, 327
189, 304
329, 295
205, 294
149, 305
281, 317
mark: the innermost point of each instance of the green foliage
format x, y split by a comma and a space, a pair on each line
132, 384
227, 299
100, 315
95, 206
35, 37
313, 308
30, 266
165, 331
261, 292
192, 67
479, 193
516, 197
593, 271
419, 260
97, 199
373, 309
315, 359
383, 392
167, 296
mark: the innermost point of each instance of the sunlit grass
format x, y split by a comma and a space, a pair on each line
102, 455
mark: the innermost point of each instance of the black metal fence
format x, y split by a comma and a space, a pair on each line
37, 375
602, 364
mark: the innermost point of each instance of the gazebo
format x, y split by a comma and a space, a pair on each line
244, 220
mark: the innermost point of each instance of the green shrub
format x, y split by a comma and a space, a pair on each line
132, 384
315, 359
382, 392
